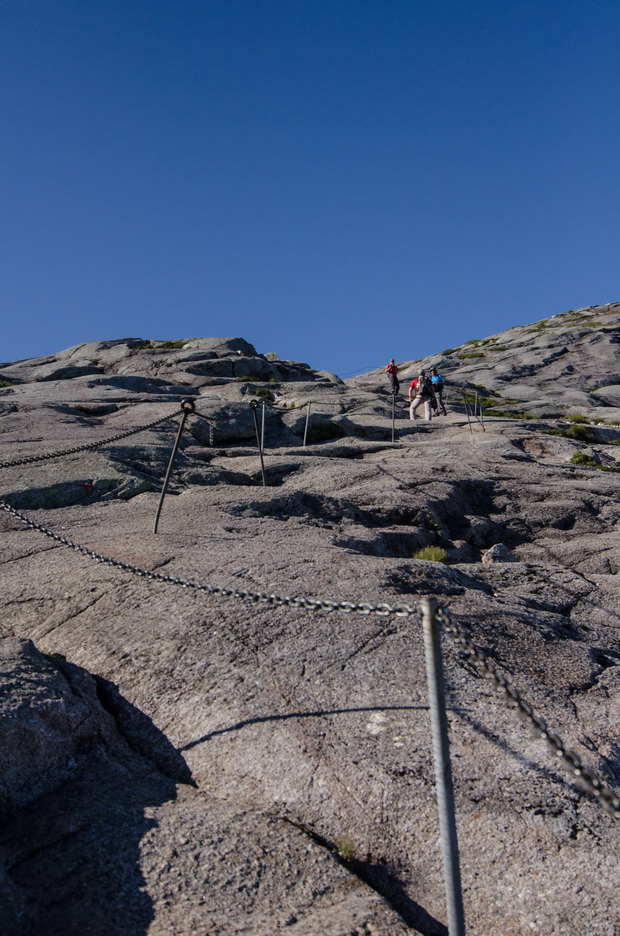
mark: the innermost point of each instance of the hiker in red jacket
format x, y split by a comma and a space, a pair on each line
392, 373
421, 391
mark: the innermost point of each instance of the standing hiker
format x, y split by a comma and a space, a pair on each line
424, 393
392, 374
438, 382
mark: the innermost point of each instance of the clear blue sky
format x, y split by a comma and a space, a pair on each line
339, 181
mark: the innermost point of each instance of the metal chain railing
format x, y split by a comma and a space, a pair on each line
571, 761
31, 459
473, 408
209, 424
296, 601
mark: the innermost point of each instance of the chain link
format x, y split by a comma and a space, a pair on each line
29, 460
296, 601
209, 424
571, 761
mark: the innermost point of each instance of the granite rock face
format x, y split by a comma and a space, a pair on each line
178, 761
564, 364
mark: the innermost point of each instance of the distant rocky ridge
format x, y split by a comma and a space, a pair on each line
567, 363
174, 762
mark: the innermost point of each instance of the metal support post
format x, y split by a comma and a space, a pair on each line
254, 406
443, 771
478, 410
308, 404
467, 412
393, 411
262, 428
188, 407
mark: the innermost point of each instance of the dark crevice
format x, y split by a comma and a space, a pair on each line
141, 735
391, 545
605, 658
602, 660
381, 878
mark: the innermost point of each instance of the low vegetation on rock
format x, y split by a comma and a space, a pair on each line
431, 554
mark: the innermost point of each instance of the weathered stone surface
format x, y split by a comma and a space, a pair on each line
45, 726
278, 715
108, 816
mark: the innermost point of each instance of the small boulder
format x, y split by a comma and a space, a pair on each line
481, 531
499, 553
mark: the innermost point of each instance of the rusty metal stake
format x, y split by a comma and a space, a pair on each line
308, 404
188, 407
471, 431
254, 406
443, 771
262, 427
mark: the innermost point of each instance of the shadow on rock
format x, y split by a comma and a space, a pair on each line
142, 735
384, 880
72, 858
321, 713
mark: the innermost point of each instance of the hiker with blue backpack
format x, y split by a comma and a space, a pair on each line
438, 382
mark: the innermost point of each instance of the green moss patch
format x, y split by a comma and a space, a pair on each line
588, 461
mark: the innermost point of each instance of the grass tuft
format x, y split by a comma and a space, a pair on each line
431, 554
172, 344
347, 849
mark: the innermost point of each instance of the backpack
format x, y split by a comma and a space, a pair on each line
424, 387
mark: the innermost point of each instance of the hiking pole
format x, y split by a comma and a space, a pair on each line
188, 407
443, 771
254, 406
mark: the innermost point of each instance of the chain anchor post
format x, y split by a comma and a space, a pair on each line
443, 770
254, 407
188, 407
262, 427
308, 405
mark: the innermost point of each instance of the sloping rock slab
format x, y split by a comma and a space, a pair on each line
46, 726
109, 844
